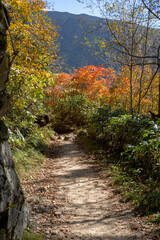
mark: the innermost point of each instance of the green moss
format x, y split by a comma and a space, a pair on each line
11, 205
26, 160
32, 236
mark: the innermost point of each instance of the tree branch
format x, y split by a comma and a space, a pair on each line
150, 10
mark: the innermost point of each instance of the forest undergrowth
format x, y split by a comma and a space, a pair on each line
127, 145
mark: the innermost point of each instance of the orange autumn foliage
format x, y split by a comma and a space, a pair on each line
120, 92
105, 87
92, 81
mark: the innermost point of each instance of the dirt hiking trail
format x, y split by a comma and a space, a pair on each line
73, 199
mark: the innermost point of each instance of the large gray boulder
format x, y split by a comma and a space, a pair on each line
13, 210
12, 204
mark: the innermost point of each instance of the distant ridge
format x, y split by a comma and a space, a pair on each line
71, 34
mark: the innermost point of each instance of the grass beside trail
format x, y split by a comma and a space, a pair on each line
29, 235
28, 157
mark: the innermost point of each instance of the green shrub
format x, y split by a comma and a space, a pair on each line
71, 111
135, 139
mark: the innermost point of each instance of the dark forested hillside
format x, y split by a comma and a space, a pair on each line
73, 51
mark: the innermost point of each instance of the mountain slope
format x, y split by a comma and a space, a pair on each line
73, 51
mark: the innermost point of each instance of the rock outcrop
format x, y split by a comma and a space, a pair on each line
13, 211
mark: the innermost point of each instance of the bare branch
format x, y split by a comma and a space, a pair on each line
149, 9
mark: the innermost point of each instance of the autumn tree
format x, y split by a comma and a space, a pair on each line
153, 6
91, 81
32, 46
132, 39
121, 86
73, 97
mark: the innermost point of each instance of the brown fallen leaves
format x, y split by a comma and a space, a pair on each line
48, 202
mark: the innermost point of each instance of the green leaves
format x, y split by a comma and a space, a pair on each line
136, 139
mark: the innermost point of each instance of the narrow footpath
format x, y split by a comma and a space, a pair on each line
72, 198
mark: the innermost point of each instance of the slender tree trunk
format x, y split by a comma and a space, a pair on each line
143, 64
159, 95
131, 72
131, 90
152, 97
158, 58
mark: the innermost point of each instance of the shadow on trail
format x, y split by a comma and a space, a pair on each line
111, 218
78, 173
55, 150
